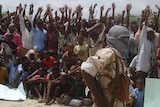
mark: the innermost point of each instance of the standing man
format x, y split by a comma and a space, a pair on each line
105, 66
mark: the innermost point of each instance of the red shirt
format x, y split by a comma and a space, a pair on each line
16, 38
48, 62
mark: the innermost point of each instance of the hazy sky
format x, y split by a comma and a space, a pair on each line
137, 5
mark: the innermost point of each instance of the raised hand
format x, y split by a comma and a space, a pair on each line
148, 10
66, 7
48, 9
113, 6
20, 7
102, 8
40, 9
61, 10
25, 5
31, 6
157, 7
70, 11
128, 7
123, 12
95, 5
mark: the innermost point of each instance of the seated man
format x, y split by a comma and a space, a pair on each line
69, 58
107, 66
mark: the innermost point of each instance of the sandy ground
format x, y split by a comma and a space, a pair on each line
26, 103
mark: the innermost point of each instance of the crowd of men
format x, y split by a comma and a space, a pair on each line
46, 51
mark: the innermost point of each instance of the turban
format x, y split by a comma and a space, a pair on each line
118, 37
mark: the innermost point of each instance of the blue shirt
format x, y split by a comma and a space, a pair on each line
139, 97
13, 70
39, 38
24, 73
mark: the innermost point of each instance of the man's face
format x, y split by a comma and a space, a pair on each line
40, 23
16, 61
28, 24
139, 85
70, 48
12, 28
150, 35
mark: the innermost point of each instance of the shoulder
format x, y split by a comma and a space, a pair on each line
20, 67
45, 32
106, 52
51, 57
16, 34
4, 69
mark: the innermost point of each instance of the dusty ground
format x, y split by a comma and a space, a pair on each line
26, 103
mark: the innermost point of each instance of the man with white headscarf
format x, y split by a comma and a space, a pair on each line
104, 65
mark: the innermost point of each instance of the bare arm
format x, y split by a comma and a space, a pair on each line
33, 74
18, 75
122, 17
113, 10
16, 18
69, 20
36, 16
94, 27
148, 12
128, 9
66, 12
156, 18
6, 59
24, 10
0, 12
50, 18
106, 15
101, 12
99, 98
62, 14
31, 9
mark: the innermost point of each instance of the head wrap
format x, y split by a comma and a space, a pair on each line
149, 29
118, 37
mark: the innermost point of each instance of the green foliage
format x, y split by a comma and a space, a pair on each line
4, 14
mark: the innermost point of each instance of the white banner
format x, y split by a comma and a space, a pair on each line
14, 94
152, 93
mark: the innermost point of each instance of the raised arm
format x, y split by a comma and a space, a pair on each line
106, 15
50, 15
16, 18
148, 12
156, 18
69, 20
122, 18
24, 10
31, 6
8, 17
113, 10
128, 9
31, 9
66, 12
91, 11
101, 13
95, 26
21, 18
37, 16
62, 14
0, 12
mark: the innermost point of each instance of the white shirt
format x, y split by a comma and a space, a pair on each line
144, 55
27, 36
